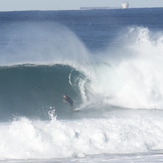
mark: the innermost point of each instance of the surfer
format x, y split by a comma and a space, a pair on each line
68, 99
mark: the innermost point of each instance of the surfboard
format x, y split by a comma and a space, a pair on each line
76, 109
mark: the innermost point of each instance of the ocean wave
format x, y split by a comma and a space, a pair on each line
127, 75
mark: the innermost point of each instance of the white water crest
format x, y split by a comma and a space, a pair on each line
131, 75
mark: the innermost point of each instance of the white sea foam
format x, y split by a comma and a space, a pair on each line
132, 74
26, 139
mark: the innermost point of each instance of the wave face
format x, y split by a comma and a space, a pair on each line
31, 90
40, 61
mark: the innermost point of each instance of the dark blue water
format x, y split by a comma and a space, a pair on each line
96, 28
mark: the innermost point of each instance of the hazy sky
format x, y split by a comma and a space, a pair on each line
10, 5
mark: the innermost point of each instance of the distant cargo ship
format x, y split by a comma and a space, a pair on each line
124, 5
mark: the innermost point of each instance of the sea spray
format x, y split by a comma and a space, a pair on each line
41, 43
134, 79
51, 113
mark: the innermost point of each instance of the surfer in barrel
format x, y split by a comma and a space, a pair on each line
68, 99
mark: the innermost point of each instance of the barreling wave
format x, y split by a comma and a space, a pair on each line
30, 90
126, 75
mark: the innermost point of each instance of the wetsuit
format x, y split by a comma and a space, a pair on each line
69, 100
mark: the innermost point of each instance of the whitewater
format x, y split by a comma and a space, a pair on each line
111, 69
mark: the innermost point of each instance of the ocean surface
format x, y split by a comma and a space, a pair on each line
110, 62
